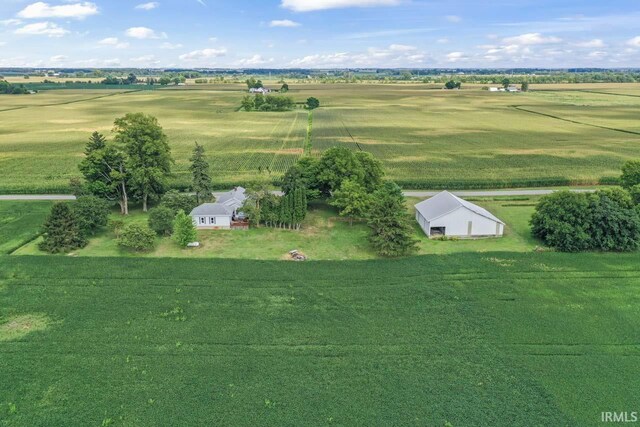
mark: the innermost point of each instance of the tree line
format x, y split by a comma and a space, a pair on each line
607, 220
7, 88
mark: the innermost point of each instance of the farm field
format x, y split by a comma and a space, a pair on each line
20, 222
470, 339
425, 137
324, 236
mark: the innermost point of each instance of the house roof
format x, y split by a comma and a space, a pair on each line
445, 202
214, 209
234, 198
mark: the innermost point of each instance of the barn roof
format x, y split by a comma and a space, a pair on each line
445, 202
211, 209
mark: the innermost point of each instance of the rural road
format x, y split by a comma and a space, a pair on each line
478, 193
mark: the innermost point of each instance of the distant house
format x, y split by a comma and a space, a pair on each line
513, 89
262, 90
222, 215
494, 89
448, 215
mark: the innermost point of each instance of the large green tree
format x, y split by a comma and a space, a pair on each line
338, 164
61, 230
148, 154
105, 170
562, 220
202, 184
352, 200
630, 174
92, 213
391, 230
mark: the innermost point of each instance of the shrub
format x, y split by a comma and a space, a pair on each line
137, 237
184, 230
61, 230
573, 222
161, 220
92, 213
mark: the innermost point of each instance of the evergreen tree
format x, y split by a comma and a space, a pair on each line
61, 231
391, 230
202, 184
184, 232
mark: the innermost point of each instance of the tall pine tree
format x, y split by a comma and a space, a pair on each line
202, 184
61, 230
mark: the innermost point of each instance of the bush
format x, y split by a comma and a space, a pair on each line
573, 222
61, 231
161, 220
92, 213
184, 230
137, 237
179, 202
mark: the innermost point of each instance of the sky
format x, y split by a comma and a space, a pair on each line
320, 33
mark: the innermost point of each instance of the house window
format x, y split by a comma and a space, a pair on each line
212, 220
203, 220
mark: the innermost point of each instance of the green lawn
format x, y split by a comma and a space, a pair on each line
20, 222
472, 339
324, 236
425, 137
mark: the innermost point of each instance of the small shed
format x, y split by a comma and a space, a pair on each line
448, 215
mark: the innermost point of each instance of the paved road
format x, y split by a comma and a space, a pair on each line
478, 193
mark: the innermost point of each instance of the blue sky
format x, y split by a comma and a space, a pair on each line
320, 33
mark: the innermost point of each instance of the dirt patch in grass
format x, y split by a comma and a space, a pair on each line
17, 327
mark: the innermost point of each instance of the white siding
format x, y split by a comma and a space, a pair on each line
212, 221
424, 224
457, 224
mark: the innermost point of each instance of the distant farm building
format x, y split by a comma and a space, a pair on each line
448, 215
222, 215
262, 90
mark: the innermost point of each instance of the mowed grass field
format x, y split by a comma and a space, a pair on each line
425, 137
323, 236
499, 339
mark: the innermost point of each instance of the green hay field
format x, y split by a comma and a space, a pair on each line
425, 137
470, 339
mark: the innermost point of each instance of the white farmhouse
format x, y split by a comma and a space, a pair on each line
223, 214
448, 215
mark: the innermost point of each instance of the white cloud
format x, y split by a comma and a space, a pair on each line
115, 42
254, 61
287, 23
42, 29
147, 59
598, 54
453, 18
45, 10
148, 6
392, 56
312, 5
203, 54
167, 45
9, 22
58, 58
442, 41
591, 43
456, 56
531, 39
144, 33
635, 42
